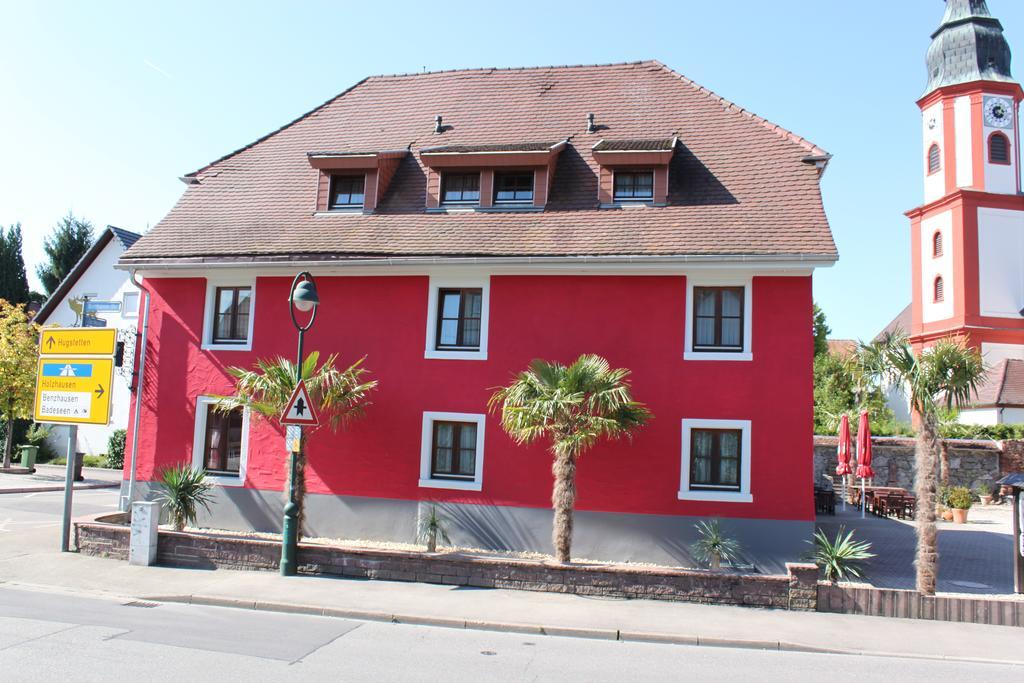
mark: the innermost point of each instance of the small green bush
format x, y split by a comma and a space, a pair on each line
960, 498
714, 547
115, 449
183, 490
1001, 432
841, 558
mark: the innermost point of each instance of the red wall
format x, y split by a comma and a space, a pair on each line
636, 322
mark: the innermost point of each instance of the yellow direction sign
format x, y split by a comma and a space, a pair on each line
74, 390
77, 341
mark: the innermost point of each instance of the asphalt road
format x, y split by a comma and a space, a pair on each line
53, 636
28, 520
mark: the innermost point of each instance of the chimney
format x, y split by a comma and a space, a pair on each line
590, 123
437, 124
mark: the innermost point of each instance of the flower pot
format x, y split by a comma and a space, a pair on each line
959, 516
947, 515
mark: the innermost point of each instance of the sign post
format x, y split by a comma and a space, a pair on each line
74, 383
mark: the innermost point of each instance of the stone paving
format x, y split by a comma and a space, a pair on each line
976, 557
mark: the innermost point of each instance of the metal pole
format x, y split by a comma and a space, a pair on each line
1018, 542
289, 530
69, 487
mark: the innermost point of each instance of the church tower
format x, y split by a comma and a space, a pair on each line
967, 239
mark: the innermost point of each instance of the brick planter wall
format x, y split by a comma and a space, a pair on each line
796, 591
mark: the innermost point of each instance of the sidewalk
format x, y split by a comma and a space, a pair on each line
51, 478
537, 613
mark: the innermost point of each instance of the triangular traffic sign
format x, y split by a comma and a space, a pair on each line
300, 410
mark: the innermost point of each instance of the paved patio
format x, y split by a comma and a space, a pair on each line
974, 558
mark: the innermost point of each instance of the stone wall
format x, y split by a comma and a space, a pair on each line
797, 590
970, 462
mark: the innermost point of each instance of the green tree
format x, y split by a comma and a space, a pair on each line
843, 387
821, 332
19, 347
68, 242
573, 407
943, 377
13, 280
340, 396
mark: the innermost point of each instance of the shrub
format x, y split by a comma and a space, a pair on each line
841, 558
36, 434
115, 449
183, 490
960, 498
433, 526
1001, 432
714, 547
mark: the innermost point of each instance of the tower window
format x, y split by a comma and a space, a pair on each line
934, 159
940, 294
998, 149
937, 245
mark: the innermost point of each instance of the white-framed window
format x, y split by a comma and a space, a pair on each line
719, 318
130, 305
220, 445
452, 451
458, 308
715, 461
229, 313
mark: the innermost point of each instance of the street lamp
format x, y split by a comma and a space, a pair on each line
302, 298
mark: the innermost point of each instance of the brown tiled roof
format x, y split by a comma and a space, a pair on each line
901, 323
1003, 385
739, 185
503, 147
634, 145
842, 347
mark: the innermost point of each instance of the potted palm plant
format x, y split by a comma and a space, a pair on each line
182, 491
960, 500
841, 558
714, 547
433, 526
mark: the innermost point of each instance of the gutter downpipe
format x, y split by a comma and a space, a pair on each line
126, 501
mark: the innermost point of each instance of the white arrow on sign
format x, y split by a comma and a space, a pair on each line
300, 410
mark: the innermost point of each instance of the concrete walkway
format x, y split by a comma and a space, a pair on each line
37, 566
51, 478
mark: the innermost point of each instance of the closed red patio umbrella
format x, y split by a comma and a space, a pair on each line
843, 469
864, 470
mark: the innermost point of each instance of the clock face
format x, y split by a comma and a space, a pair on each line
999, 112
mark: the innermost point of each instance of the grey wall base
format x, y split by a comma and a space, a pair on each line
604, 536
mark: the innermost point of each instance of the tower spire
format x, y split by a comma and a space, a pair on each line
968, 46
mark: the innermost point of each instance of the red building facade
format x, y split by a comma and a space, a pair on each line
473, 221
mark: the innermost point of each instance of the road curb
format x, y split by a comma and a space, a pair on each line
554, 631
48, 489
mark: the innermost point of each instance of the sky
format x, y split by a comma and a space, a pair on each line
104, 105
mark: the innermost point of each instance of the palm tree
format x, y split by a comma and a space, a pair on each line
946, 375
340, 395
573, 407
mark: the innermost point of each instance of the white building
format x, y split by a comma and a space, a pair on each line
95, 294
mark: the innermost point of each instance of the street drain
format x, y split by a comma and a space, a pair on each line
489, 653
140, 603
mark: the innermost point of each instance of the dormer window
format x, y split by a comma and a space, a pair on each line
513, 187
631, 186
353, 182
633, 172
346, 192
512, 176
460, 188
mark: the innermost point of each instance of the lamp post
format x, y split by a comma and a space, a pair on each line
302, 298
